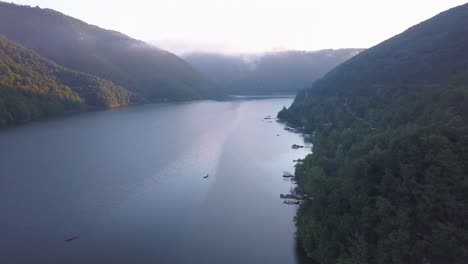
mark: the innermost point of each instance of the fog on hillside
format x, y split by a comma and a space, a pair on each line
272, 72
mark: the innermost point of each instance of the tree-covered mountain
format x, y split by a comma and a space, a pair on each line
32, 87
389, 171
273, 72
150, 73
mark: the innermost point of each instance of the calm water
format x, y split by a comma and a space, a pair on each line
129, 183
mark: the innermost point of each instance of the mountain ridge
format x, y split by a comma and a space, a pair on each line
270, 72
151, 73
32, 87
388, 173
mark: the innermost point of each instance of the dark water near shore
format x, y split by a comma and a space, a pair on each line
128, 182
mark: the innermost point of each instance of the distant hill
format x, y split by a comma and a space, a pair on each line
32, 87
389, 172
150, 73
274, 72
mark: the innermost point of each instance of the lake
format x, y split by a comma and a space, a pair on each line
129, 184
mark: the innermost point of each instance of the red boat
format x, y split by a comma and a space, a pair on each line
70, 239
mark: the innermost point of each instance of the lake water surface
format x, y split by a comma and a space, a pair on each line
129, 184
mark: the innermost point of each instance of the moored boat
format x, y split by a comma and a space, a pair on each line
295, 146
289, 201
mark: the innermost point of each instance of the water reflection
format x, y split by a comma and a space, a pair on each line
128, 183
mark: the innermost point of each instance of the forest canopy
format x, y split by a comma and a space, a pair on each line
33, 87
388, 174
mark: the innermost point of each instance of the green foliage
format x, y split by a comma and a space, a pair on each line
104, 68
151, 74
33, 87
389, 172
272, 72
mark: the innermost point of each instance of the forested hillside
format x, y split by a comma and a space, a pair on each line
150, 73
389, 171
273, 72
32, 87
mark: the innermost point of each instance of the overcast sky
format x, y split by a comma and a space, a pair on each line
252, 25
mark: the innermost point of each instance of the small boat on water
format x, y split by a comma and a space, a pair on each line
70, 239
206, 176
292, 202
293, 196
295, 146
288, 175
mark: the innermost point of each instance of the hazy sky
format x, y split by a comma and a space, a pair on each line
253, 25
